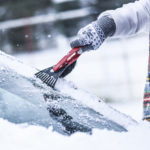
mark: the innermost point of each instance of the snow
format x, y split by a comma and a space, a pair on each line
20, 68
29, 137
92, 102
133, 108
25, 137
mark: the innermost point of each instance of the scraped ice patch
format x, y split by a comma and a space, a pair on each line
24, 137
16, 65
92, 101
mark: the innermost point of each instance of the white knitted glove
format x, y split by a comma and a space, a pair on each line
93, 35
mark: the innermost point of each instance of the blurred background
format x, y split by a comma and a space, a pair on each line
39, 31
31, 25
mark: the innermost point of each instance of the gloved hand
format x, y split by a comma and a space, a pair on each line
93, 35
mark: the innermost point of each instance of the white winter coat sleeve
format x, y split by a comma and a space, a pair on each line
131, 18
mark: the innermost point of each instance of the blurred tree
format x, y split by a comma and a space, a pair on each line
22, 38
24, 8
71, 26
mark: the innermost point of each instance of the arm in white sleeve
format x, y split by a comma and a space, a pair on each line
131, 18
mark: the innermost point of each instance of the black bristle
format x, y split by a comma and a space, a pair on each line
48, 77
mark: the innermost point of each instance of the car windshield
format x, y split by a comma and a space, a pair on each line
28, 100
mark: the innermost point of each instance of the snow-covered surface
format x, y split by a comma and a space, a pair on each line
27, 137
20, 68
92, 102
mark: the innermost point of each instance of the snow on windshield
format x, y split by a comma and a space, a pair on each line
13, 64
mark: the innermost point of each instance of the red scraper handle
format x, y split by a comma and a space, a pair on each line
71, 57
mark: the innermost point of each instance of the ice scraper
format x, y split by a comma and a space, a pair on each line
50, 75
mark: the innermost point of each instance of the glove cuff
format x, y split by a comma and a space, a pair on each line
107, 25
